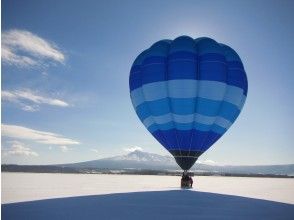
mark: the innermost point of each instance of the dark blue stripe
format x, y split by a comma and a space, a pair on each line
182, 69
154, 59
235, 64
236, 75
187, 55
177, 139
135, 68
153, 73
212, 57
186, 126
215, 71
210, 139
182, 55
204, 107
135, 80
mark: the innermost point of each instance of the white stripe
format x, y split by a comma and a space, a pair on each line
198, 118
212, 90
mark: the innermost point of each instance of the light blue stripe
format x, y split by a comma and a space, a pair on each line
213, 90
204, 107
183, 118
242, 102
222, 122
154, 91
180, 88
158, 120
186, 126
234, 95
186, 119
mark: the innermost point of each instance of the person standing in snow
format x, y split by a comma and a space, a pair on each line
191, 181
186, 181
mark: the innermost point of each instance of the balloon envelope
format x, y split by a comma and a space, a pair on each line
187, 93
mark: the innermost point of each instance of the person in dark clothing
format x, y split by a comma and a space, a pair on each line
191, 181
186, 180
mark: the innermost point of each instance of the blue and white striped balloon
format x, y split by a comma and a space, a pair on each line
187, 93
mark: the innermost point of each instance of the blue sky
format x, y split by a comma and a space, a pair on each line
65, 69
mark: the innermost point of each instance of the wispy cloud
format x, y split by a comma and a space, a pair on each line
25, 49
64, 148
9, 57
132, 149
18, 149
30, 108
94, 150
26, 95
43, 137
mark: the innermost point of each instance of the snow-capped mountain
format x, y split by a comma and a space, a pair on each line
141, 156
134, 160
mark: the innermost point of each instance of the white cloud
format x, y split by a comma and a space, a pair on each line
29, 108
132, 149
8, 57
64, 149
43, 137
94, 150
18, 149
21, 97
25, 49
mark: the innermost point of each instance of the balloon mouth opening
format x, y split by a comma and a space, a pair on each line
185, 159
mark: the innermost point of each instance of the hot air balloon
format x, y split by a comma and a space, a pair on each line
187, 93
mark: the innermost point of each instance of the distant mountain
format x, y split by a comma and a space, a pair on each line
134, 160
145, 160
138, 161
287, 169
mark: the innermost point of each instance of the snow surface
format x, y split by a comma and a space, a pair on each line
93, 196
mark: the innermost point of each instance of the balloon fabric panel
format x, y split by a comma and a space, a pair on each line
187, 93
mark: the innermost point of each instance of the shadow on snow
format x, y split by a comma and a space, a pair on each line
175, 204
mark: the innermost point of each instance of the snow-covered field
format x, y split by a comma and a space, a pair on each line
17, 187
212, 197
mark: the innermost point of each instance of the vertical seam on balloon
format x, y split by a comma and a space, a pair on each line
220, 106
169, 103
213, 124
196, 102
